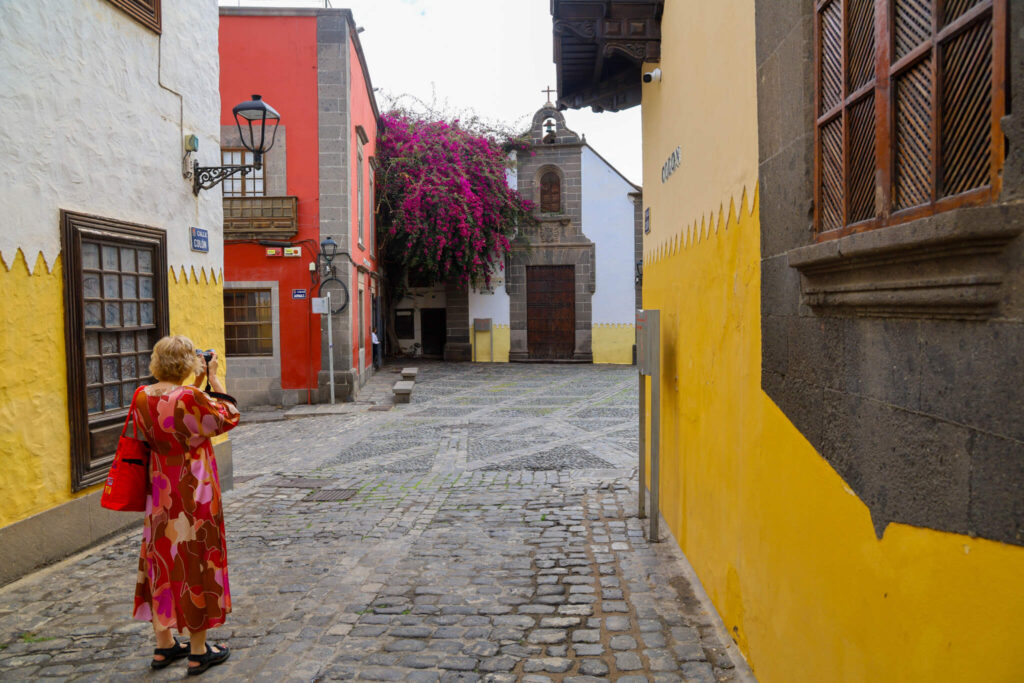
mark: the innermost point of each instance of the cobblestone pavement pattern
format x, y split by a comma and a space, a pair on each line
485, 531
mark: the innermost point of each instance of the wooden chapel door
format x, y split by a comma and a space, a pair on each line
551, 312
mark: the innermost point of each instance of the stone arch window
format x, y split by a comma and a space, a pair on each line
550, 192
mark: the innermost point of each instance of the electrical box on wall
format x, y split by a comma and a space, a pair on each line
273, 251
293, 251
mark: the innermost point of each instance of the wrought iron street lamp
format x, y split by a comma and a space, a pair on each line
251, 118
328, 249
639, 279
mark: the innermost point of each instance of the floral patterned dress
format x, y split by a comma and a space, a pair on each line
183, 566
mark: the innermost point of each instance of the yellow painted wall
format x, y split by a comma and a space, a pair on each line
35, 440
784, 548
501, 344
613, 343
705, 104
197, 311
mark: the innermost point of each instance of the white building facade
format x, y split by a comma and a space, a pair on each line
98, 260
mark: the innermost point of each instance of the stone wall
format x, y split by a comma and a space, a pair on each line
894, 350
334, 135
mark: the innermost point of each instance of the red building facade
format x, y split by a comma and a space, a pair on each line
316, 182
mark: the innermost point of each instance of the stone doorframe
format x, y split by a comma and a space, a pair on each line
582, 255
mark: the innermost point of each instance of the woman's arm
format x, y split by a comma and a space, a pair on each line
208, 417
215, 382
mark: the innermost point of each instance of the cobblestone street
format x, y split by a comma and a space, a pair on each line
485, 531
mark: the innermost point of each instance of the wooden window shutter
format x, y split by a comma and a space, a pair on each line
550, 193
908, 126
146, 12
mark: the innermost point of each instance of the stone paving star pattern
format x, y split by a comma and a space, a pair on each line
488, 533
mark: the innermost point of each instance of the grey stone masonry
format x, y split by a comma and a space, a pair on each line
334, 132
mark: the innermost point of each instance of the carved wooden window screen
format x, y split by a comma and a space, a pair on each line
238, 185
908, 97
248, 322
146, 12
115, 298
550, 193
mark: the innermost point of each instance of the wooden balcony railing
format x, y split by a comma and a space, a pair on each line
260, 217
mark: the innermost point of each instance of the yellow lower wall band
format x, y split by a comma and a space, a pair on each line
35, 442
481, 344
784, 548
613, 343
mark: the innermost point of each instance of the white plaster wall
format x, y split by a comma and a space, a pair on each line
494, 304
87, 126
512, 171
608, 222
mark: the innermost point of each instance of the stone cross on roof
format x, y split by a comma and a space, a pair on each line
549, 92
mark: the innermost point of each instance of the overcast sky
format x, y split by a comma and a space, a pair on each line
491, 56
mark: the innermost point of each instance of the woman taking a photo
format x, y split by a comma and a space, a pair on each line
183, 568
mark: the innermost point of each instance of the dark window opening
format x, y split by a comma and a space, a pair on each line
405, 324
248, 322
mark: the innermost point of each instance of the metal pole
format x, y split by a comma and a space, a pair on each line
642, 503
330, 346
655, 371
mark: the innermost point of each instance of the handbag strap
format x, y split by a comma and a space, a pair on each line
131, 411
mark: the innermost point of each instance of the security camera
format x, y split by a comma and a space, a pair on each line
653, 76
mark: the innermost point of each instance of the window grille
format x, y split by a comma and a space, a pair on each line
248, 322
907, 125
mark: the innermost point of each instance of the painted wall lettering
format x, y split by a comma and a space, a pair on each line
670, 166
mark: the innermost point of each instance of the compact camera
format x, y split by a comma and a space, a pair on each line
207, 355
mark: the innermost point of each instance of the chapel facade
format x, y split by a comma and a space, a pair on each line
567, 291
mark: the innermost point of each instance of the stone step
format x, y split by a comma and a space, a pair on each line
403, 391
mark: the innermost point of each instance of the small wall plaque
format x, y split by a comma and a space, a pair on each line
298, 294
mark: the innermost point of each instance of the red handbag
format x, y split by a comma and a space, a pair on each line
128, 480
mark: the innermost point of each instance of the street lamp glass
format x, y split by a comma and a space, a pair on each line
256, 114
328, 248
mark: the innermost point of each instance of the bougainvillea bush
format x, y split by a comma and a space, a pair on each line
446, 210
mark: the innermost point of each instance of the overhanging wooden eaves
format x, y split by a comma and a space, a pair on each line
600, 47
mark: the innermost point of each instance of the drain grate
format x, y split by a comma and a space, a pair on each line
300, 483
331, 494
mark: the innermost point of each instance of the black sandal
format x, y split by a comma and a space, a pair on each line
208, 659
170, 654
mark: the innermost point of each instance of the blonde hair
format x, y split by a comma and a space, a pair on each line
174, 358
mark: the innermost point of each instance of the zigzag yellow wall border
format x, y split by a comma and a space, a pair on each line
784, 548
33, 392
